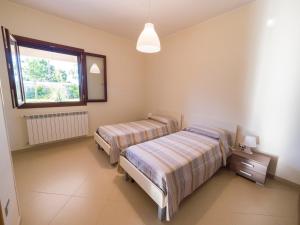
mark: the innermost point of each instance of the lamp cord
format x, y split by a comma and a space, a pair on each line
149, 9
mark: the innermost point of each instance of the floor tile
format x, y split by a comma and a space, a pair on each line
79, 211
42, 208
96, 186
125, 213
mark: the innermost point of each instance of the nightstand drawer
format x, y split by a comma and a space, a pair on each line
245, 171
249, 164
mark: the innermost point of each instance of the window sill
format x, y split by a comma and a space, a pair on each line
50, 104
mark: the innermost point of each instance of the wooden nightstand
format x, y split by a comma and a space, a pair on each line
253, 167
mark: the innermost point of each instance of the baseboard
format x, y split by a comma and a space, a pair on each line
283, 180
31, 147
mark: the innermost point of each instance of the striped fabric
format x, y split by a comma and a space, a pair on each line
171, 123
213, 132
177, 163
122, 135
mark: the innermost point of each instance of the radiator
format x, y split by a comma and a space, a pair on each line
56, 126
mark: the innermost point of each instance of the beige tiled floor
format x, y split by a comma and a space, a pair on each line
72, 183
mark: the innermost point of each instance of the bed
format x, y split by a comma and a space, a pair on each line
114, 138
170, 168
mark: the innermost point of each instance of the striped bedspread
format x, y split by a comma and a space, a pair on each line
122, 135
177, 163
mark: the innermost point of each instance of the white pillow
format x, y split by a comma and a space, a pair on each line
171, 123
206, 131
216, 133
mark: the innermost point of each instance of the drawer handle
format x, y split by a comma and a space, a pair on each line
247, 164
248, 174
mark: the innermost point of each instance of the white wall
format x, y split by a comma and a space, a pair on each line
241, 68
7, 184
125, 67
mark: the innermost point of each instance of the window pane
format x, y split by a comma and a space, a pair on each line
49, 76
16, 71
95, 81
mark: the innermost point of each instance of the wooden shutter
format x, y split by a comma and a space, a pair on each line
1, 216
14, 68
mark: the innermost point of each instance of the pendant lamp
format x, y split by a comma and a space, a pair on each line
148, 41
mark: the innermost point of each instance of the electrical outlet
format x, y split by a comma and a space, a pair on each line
6, 207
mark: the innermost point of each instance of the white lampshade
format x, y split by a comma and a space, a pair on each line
94, 69
250, 141
148, 41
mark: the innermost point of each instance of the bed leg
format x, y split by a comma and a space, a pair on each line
99, 147
128, 178
161, 213
114, 164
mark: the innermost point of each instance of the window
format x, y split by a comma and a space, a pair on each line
95, 67
43, 74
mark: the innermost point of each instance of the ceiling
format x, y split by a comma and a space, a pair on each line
127, 17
